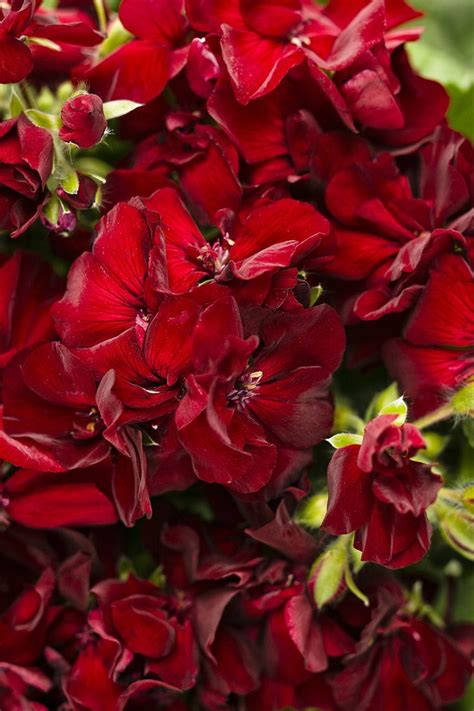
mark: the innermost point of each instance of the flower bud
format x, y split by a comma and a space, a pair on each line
454, 509
462, 401
83, 120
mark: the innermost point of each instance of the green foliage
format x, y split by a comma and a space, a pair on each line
446, 53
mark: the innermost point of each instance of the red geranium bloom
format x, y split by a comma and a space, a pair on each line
108, 289
435, 357
377, 490
140, 69
269, 237
18, 19
26, 161
387, 239
50, 416
28, 288
262, 41
401, 657
242, 404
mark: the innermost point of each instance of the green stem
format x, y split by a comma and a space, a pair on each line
443, 413
101, 14
30, 98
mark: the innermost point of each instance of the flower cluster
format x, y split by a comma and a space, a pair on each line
225, 225
215, 617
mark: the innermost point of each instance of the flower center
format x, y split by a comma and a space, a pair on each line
86, 424
245, 389
215, 257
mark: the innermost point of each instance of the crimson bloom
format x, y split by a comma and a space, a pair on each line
387, 237
50, 417
243, 403
108, 288
378, 491
400, 656
22, 18
139, 70
26, 161
435, 357
83, 120
269, 237
28, 288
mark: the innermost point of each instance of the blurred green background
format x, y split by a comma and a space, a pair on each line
445, 52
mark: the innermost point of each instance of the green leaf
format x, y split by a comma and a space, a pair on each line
462, 401
70, 184
445, 51
17, 104
52, 210
350, 582
344, 439
46, 43
328, 570
117, 36
315, 294
380, 400
42, 119
312, 511
460, 112
120, 107
397, 407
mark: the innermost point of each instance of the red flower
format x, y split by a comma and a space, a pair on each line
151, 625
266, 239
26, 161
23, 625
108, 289
262, 41
400, 656
436, 354
377, 490
28, 287
50, 418
140, 70
242, 404
387, 239
82, 497
83, 120
19, 19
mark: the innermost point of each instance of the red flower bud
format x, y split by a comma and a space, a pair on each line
83, 120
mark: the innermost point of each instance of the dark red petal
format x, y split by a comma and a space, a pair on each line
180, 666
256, 64
306, 633
358, 254
362, 33
273, 18
96, 306
160, 21
168, 340
16, 61
307, 338
41, 500
295, 407
426, 375
350, 497
445, 321
411, 493
58, 376
282, 222
137, 71
392, 539
257, 130
143, 626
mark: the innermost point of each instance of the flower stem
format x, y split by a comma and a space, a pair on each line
443, 413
